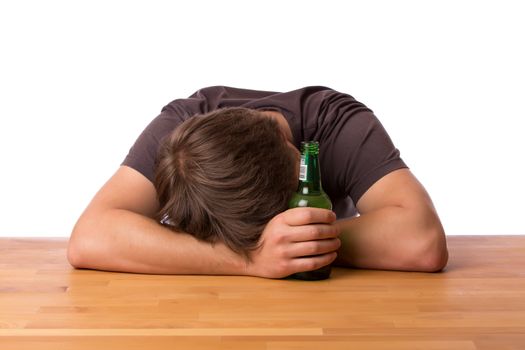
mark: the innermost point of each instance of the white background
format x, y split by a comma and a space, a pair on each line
79, 80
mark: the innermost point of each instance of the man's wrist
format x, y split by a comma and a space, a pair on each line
230, 262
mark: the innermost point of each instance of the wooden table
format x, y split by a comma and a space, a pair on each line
477, 303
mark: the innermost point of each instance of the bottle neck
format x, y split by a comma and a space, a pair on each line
310, 174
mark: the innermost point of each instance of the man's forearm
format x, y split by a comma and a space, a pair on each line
121, 240
390, 238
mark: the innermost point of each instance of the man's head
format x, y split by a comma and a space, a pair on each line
223, 175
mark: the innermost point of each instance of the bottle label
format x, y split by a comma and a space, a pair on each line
303, 169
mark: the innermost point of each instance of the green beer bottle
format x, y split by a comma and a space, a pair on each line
310, 194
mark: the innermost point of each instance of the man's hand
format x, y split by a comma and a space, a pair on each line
296, 240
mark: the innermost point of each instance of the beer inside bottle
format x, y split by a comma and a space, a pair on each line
310, 194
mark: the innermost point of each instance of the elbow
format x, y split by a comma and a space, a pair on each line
77, 248
74, 257
433, 254
73, 252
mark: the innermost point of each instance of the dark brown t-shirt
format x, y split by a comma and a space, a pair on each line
355, 149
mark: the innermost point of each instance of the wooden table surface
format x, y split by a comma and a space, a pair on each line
477, 303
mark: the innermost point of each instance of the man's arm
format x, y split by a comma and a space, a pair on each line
117, 232
398, 228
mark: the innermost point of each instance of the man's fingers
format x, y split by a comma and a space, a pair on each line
313, 262
319, 247
305, 216
313, 232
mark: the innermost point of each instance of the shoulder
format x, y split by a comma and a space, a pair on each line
325, 104
323, 91
230, 92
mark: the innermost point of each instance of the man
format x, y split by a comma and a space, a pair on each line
167, 210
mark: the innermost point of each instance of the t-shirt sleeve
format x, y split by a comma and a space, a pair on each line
142, 155
359, 149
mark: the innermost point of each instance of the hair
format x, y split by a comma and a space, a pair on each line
223, 175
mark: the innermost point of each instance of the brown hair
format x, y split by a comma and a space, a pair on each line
222, 176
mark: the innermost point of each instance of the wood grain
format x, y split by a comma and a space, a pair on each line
477, 303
